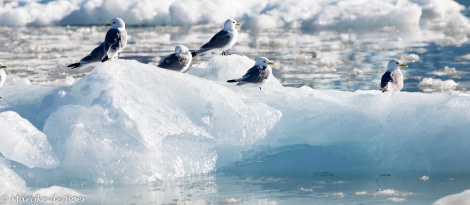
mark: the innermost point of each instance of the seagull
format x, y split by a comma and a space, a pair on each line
115, 40
178, 61
224, 39
3, 75
392, 79
95, 56
260, 73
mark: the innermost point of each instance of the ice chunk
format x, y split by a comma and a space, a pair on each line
432, 85
59, 195
455, 199
22, 142
133, 122
10, 182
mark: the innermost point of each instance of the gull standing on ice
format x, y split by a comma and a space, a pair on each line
224, 39
115, 40
3, 75
178, 61
260, 73
392, 79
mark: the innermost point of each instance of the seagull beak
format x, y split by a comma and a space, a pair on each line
4, 67
238, 24
270, 63
108, 24
403, 65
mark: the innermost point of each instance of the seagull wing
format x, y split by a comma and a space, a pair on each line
95, 55
386, 78
219, 40
114, 42
255, 74
174, 62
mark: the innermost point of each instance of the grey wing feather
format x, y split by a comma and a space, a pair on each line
94, 56
174, 62
255, 74
219, 40
115, 41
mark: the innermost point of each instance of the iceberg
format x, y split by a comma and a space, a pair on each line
127, 122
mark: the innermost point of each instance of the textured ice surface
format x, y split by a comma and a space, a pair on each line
24, 143
455, 199
128, 122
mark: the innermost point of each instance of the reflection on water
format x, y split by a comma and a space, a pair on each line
316, 188
343, 60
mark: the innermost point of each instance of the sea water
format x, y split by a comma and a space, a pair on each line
126, 132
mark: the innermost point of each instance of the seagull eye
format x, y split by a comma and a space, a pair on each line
397, 63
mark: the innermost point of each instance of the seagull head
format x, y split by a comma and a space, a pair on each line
395, 64
116, 23
263, 61
181, 49
230, 24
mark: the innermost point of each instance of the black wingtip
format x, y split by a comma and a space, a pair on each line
74, 65
231, 81
105, 59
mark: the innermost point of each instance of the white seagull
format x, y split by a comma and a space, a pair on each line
260, 73
392, 79
223, 40
115, 40
178, 61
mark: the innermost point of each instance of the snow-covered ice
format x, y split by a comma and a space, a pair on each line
128, 122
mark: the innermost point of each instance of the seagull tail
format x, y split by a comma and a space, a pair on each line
74, 65
231, 81
193, 53
105, 58
383, 89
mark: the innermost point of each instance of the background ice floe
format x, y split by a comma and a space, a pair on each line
309, 15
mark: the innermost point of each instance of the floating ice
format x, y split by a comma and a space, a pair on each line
462, 198
10, 182
59, 195
435, 15
128, 122
138, 121
431, 85
22, 142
